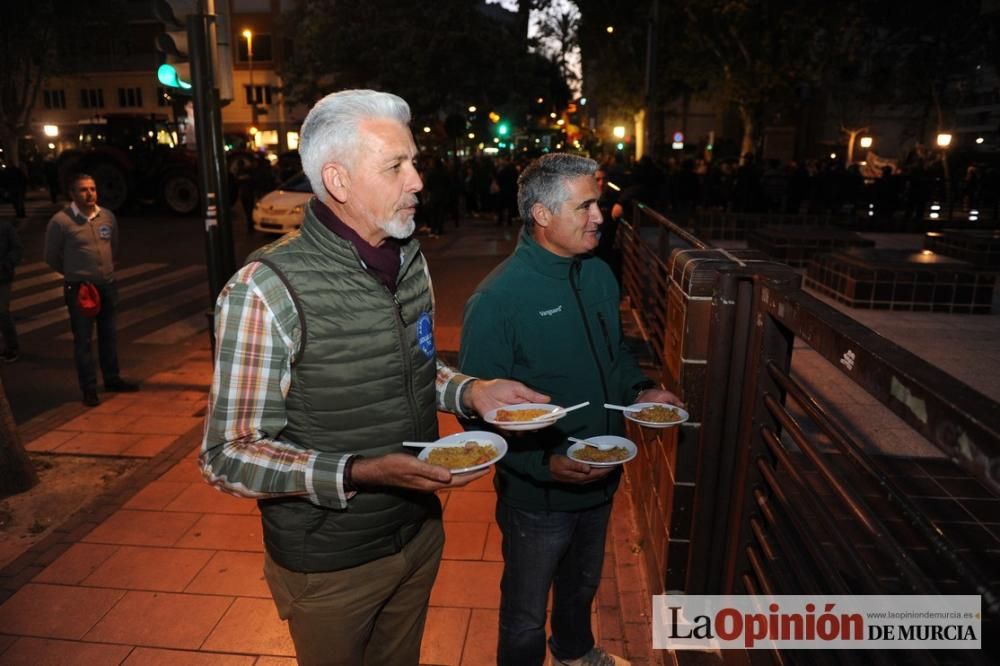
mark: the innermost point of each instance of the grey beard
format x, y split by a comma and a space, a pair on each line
398, 228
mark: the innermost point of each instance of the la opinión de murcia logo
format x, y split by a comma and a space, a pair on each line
803, 622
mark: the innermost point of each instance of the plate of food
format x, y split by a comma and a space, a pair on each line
656, 414
526, 416
623, 450
466, 451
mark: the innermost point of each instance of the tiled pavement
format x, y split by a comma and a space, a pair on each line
165, 570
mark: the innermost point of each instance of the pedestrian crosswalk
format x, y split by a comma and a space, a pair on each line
157, 303
33, 207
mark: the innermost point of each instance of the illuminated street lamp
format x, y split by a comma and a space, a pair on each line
472, 108
865, 142
943, 140
51, 130
619, 131
610, 29
248, 35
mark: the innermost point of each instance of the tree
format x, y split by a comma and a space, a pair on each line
17, 474
27, 54
438, 58
765, 52
558, 36
32, 35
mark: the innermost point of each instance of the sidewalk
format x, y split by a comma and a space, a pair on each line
165, 570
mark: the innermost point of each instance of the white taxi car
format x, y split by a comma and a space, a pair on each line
284, 209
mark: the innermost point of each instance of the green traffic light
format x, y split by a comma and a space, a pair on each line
502, 129
167, 75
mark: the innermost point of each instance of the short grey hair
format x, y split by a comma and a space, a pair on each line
544, 182
330, 131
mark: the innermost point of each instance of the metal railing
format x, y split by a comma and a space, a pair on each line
787, 500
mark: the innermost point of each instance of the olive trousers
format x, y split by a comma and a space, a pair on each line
371, 615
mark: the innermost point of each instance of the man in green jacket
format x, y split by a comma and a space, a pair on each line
548, 316
325, 364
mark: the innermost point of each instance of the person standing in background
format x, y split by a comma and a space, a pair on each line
80, 242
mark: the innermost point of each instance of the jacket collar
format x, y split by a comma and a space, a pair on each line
80, 217
543, 261
344, 250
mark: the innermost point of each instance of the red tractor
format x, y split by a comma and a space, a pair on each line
134, 159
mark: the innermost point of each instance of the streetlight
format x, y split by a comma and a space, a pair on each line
619, 131
865, 142
472, 108
248, 35
943, 140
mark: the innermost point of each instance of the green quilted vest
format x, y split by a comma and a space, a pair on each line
362, 384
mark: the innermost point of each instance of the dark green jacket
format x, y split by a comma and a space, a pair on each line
362, 383
552, 323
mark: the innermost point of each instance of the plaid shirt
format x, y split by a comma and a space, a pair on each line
257, 339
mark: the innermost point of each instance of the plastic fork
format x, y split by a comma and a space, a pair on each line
599, 447
559, 411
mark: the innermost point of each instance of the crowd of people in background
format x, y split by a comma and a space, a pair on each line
484, 186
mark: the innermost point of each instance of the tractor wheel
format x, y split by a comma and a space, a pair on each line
179, 193
113, 190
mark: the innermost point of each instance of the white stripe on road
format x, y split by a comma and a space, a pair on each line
57, 292
59, 313
31, 268
133, 316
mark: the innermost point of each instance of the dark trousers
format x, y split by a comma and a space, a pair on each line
563, 550
83, 332
7, 329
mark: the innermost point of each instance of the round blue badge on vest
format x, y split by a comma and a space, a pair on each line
104, 231
425, 334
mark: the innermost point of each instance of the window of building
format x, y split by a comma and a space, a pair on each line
129, 98
54, 99
91, 98
258, 94
261, 49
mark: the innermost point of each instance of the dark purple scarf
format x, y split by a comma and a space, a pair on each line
382, 261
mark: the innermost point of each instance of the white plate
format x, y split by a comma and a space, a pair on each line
628, 444
459, 440
543, 422
631, 416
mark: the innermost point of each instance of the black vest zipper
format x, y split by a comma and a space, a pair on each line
574, 274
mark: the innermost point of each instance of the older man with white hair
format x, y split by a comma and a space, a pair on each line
325, 363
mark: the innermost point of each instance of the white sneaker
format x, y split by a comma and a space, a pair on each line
596, 657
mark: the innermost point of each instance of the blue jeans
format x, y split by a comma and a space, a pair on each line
83, 333
563, 550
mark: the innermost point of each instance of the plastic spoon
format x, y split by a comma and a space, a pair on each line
599, 447
622, 408
429, 445
559, 411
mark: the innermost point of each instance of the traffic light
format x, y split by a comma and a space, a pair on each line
168, 76
173, 43
503, 129
175, 68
